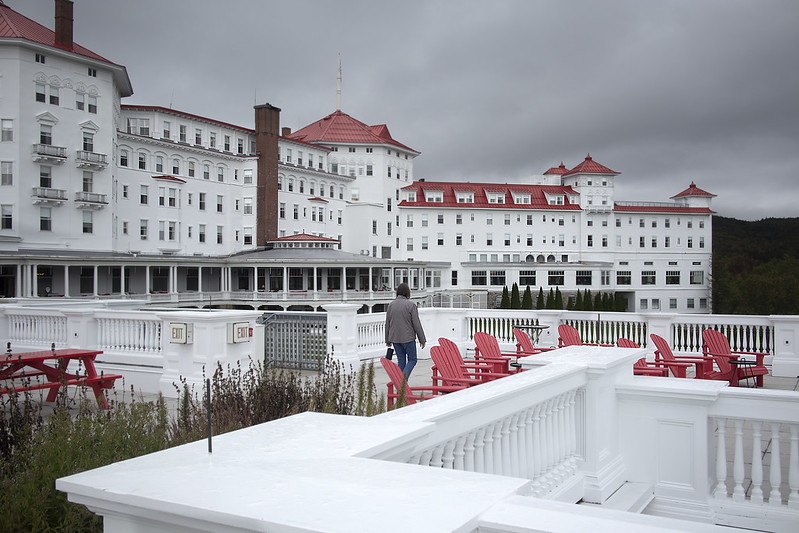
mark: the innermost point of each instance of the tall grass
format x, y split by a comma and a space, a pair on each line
37, 449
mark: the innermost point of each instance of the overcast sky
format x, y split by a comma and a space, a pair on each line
663, 92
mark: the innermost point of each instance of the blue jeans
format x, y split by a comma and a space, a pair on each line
406, 357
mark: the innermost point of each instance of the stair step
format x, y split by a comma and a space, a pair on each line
631, 497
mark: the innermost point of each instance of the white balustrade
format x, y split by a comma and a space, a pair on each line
129, 334
37, 328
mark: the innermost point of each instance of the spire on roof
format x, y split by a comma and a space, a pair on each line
338, 85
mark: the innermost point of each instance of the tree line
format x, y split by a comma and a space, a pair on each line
581, 301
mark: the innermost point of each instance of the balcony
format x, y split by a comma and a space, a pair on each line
48, 196
47, 153
90, 200
91, 160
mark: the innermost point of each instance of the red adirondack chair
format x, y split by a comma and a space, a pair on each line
716, 345
487, 368
411, 394
569, 336
449, 369
679, 364
642, 367
487, 348
524, 345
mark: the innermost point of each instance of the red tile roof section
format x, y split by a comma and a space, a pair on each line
693, 190
16, 26
537, 194
589, 166
662, 209
339, 127
557, 170
303, 237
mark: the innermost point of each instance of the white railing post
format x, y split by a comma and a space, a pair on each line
720, 492
342, 335
786, 352
775, 472
757, 462
793, 469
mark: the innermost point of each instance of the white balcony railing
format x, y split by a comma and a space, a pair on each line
96, 199
46, 195
48, 152
91, 159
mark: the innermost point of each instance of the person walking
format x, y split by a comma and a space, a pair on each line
403, 327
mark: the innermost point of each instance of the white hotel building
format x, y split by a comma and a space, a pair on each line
99, 199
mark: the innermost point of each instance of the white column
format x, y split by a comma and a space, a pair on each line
285, 280
35, 278
200, 279
147, 279
342, 335
122, 279
95, 280
66, 281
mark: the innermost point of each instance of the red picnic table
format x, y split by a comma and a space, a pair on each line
53, 366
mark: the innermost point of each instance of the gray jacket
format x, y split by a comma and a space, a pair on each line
402, 322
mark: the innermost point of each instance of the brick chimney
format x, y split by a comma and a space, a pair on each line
63, 24
267, 131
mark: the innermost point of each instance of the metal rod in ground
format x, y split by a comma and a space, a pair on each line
208, 410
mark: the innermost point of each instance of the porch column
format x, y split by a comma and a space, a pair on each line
371, 282
35, 284
122, 279
66, 280
147, 279
94, 280
18, 281
200, 279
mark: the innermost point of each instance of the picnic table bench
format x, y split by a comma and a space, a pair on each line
23, 372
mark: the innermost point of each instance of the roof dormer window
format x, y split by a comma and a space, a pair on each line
465, 197
411, 196
496, 198
522, 199
434, 196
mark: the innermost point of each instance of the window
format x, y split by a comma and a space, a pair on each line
40, 92
143, 229
282, 210
440, 219
159, 163
46, 135
489, 220
555, 277
144, 195
248, 206
424, 221
458, 218
202, 201
7, 173
173, 197
690, 242
54, 98
489, 239
590, 241
526, 277
219, 202
641, 223
176, 166
702, 303
124, 191
124, 227
605, 277
191, 169
198, 136
654, 242
689, 303
297, 213
672, 277
248, 176
6, 217
88, 225
641, 242
697, 277
227, 143
40, 58
7, 130
123, 158
92, 104
583, 277
247, 236
648, 277
219, 230
667, 241
182, 134
88, 181
220, 174
624, 277
239, 146
643, 304
440, 239
162, 196
506, 240
424, 242
201, 233
690, 224
498, 277
142, 161
479, 277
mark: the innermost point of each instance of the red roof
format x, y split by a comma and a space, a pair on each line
557, 170
303, 237
589, 166
169, 178
159, 109
662, 209
339, 127
16, 26
693, 190
538, 195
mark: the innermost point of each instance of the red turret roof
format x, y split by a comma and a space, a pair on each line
693, 190
16, 26
339, 127
589, 166
557, 170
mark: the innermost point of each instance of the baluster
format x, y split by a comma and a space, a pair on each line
720, 491
498, 447
480, 452
522, 443
457, 453
508, 444
561, 438
468, 453
447, 458
793, 469
572, 432
435, 459
738, 493
424, 459
549, 436
534, 465
775, 473
757, 463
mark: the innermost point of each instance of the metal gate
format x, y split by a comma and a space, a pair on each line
295, 340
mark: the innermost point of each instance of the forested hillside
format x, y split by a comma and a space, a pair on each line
756, 266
